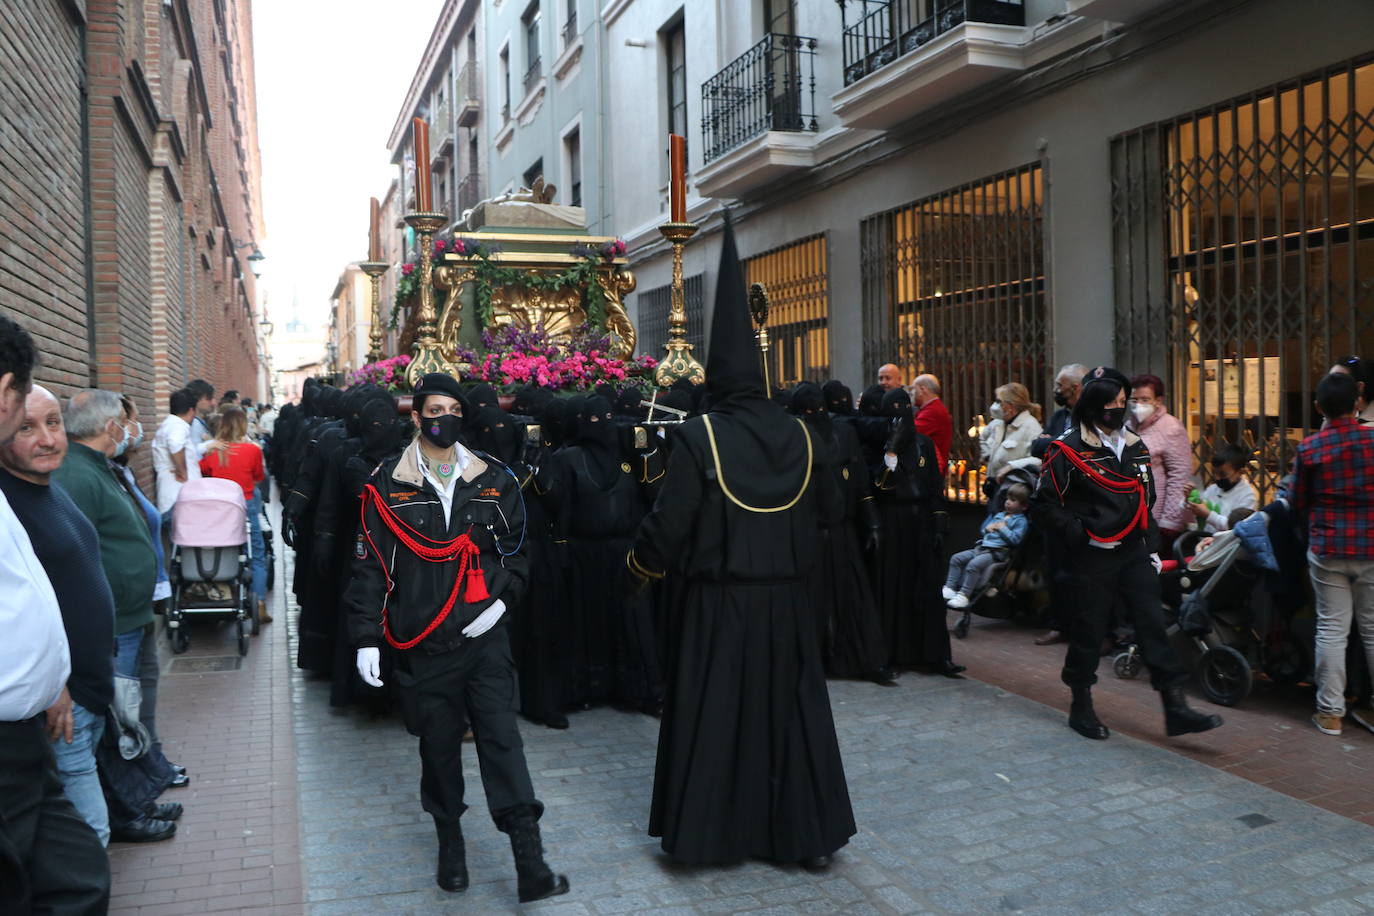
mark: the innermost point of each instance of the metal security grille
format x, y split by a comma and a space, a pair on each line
652, 309
954, 285
798, 284
1244, 250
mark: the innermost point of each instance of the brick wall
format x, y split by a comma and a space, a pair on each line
42, 257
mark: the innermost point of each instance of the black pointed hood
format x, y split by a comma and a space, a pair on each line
732, 362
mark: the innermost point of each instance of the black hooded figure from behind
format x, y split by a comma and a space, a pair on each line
594, 498
850, 635
908, 568
748, 763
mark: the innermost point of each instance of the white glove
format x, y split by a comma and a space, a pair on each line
485, 620
370, 666
890, 460
1158, 563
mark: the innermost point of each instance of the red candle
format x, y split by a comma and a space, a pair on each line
374, 232
677, 187
424, 197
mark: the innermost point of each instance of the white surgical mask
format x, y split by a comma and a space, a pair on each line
123, 444
995, 410
137, 438
1142, 412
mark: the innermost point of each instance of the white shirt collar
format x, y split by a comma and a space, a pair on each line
1115, 441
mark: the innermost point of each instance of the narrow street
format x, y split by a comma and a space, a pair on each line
971, 796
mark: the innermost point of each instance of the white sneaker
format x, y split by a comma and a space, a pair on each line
959, 602
948, 593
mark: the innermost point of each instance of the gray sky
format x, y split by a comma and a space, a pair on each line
331, 76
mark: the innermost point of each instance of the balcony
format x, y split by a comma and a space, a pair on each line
469, 192
570, 28
759, 116
533, 75
903, 56
566, 63
469, 95
442, 128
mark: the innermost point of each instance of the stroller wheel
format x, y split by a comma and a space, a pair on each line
1224, 676
1127, 665
961, 628
245, 630
180, 641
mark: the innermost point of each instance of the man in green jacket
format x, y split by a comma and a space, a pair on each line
96, 433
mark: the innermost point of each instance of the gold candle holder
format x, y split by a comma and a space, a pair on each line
374, 271
427, 356
679, 363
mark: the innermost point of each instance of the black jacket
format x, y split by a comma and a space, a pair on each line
486, 503
1068, 505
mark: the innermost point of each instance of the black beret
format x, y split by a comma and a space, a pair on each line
438, 383
1106, 374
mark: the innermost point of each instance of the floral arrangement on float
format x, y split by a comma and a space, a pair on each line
386, 373
512, 357
488, 275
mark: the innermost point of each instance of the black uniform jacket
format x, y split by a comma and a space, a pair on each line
487, 505
1068, 504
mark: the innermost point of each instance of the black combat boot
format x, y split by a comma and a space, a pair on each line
452, 874
534, 878
1182, 719
1083, 719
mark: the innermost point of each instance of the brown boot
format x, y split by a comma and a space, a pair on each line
263, 616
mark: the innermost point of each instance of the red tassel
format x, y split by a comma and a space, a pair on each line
476, 588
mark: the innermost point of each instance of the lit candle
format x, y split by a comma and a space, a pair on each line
677, 187
424, 198
374, 232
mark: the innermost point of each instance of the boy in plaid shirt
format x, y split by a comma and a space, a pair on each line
1334, 493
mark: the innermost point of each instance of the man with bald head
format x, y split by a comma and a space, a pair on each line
65, 542
889, 377
932, 418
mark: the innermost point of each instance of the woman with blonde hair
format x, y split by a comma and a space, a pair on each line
232, 456
1015, 426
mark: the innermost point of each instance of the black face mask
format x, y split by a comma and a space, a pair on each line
1113, 418
442, 431
1061, 399
1225, 485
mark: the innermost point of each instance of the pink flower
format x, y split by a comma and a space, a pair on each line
459, 246
440, 245
407, 269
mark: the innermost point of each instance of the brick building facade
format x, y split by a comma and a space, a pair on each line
129, 192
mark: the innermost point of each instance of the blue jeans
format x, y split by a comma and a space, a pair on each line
76, 769
259, 563
126, 652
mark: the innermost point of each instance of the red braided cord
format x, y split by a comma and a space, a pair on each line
461, 548
1119, 483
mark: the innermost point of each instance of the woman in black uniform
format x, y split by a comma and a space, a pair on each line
1094, 497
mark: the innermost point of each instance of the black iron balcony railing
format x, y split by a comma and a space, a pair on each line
570, 29
888, 29
532, 75
505, 113
772, 86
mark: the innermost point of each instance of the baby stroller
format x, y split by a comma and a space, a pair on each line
1016, 586
210, 569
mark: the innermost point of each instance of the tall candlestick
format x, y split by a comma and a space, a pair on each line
678, 362
677, 186
374, 269
374, 232
424, 197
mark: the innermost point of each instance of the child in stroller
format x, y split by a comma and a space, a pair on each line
970, 570
211, 554
1009, 585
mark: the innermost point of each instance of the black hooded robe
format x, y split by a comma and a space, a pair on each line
748, 762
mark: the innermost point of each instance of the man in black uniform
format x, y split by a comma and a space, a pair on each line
1095, 498
748, 762
438, 557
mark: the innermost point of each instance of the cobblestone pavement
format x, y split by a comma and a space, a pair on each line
969, 799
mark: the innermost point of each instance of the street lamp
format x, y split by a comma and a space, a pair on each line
266, 326
255, 259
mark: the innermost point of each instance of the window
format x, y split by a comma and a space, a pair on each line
530, 22
572, 154
651, 317
570, 24
534, 172
780, 17
675, 48
954, 285
798, 285
472, 45
1244, 252
505, 84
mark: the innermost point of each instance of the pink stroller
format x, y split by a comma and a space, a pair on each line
210, 569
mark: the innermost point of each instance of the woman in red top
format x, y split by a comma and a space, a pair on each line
230, 455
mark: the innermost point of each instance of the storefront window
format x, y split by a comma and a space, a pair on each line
798, 286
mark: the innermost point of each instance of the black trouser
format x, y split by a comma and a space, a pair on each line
440, 696
1060, 615
1099, 581
51, 861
